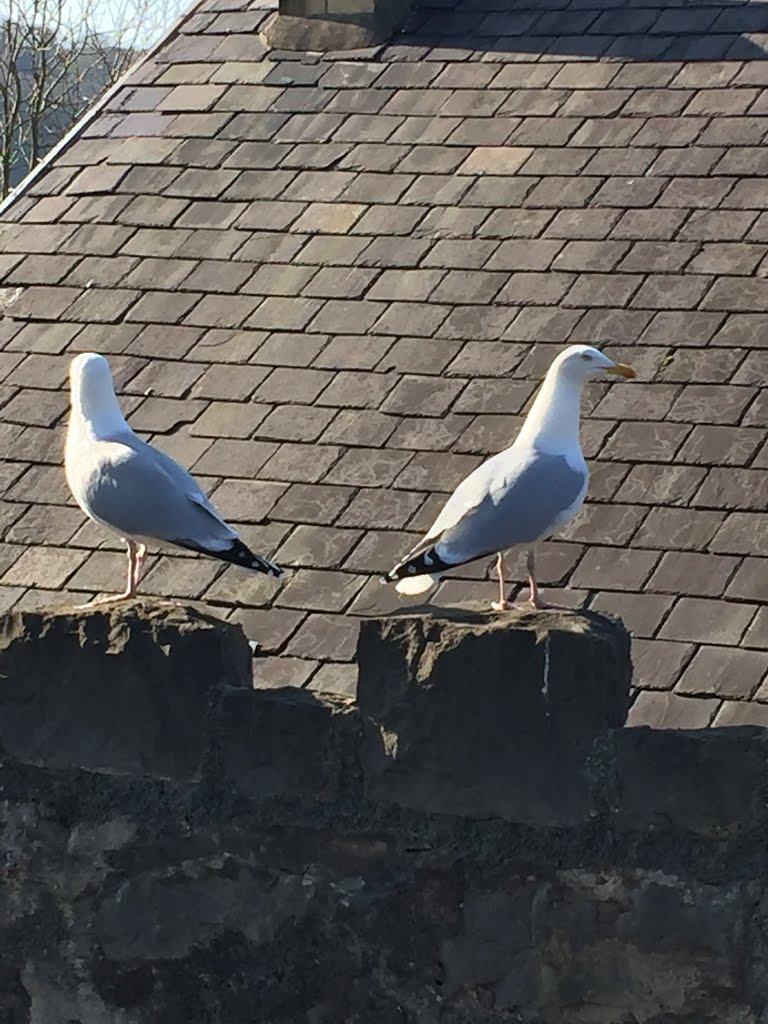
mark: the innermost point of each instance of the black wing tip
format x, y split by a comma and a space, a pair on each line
241, 555
426, 563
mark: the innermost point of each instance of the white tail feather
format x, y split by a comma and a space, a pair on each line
413, 585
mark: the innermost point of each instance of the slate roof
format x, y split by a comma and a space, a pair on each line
330, 283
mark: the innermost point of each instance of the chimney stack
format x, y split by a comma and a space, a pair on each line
334, 24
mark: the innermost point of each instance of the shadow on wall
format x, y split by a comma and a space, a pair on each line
613, 29
475, 842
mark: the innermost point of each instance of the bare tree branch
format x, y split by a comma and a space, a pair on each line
56, 58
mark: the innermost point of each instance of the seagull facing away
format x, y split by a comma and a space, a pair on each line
521, 495
126, 485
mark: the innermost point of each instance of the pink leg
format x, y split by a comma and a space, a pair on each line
535, 598
141, 554
502, 605
130, 589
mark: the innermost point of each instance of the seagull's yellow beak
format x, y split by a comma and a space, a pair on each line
622, 370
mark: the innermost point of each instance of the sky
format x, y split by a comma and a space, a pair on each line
138, 22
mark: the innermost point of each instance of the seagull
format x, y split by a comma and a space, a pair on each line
523, 494
134, 490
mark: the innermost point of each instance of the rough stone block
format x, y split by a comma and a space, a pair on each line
123, 689
324, 25
287, 743
707, 782
479, 714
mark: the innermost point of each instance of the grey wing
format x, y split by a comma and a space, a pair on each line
521, 505
129, 488
181, 478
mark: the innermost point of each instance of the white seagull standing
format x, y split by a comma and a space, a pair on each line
126, 485
521, 495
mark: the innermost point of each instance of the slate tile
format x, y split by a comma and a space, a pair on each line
738, 713
556, 191
671, 711
353, 352
641, 613
469, 286
332, 251
423, 434
530, 288
460, 253
425, 395
349, 316
717, 225
673, 131
312, 503
269, 628
657, 664
390, 221
408, 285
515, 223
582, 224
35, 407
640, 402
238, 458
376, 599
604, 524
436, 471
704, 620
381, 508
747, 329
648, 225
719, 445
628, 192
694, 573
757, 636
748, 194
653, 442
39, 525
751, 581
603, 290
316, 547
406, 318
693, 161
711, 403
49, 567
605, 568
742, 533
525, 254
627, 160
379, 550
678, 529
426, 129
322, 637
368, 467
320, 590
493, 191
329, 218
351, 389
738, 160
658, 102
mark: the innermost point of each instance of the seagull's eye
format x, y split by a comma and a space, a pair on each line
586, 355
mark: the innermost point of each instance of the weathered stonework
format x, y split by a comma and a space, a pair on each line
296, 871
323, 25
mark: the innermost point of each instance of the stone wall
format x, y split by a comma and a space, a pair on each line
475, 841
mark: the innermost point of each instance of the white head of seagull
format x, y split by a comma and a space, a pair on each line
580, 363
95, 407
553, 421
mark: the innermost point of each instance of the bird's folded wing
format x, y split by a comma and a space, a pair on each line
520, 499
126, 487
